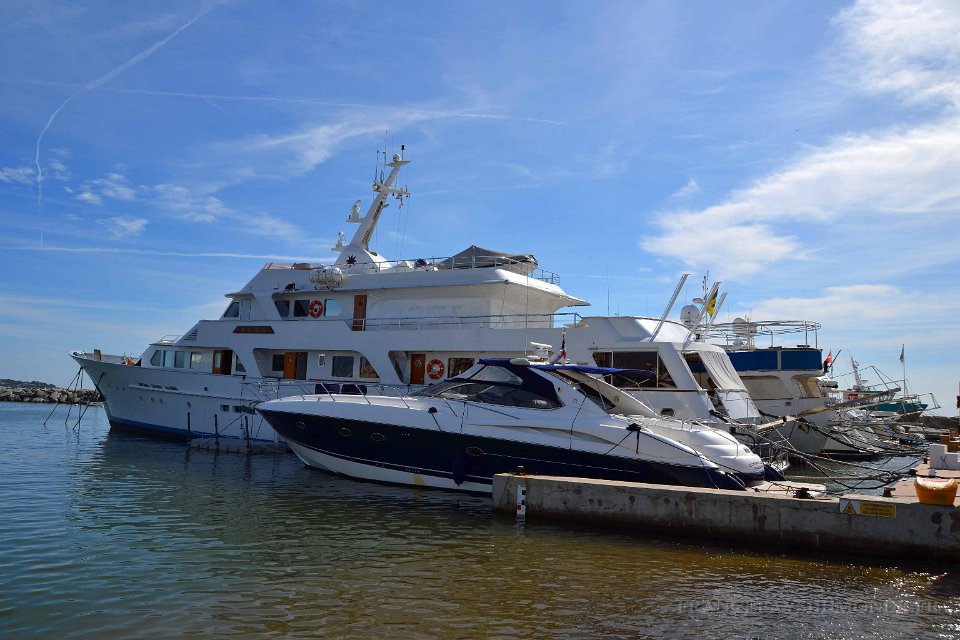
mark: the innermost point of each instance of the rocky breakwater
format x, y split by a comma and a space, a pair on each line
48, 394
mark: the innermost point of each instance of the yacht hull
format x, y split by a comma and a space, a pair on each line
176, 405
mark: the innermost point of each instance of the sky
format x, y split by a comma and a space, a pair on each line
154, 155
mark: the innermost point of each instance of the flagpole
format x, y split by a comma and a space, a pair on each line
903, 364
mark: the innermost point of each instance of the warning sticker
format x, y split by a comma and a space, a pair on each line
860, 508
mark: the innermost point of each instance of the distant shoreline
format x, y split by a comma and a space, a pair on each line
48, 395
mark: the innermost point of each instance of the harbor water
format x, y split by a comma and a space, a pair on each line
104, 534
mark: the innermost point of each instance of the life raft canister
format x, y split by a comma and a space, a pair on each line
316, 309
435, 369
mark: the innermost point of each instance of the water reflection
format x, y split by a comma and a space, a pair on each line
130, 537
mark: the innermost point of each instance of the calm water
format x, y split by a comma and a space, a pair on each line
108, 535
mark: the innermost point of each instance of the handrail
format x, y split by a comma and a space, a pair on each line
438, 264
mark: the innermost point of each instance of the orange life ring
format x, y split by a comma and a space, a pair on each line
435, 369
316, 309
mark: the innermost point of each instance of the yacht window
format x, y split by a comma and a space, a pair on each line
596, 396
321, 359
331, 307
283, 307
367, 370
277, 364
238, 367
766, 388
195, 358
245, 306
168, 358
180, 359
809, 386
301, 308
233, 311
342, 366
637, 360
499, 394
157, 358
456, 366
496, 374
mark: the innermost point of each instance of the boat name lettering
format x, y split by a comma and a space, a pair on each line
253, 329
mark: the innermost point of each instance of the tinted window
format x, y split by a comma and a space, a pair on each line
283, 307
233, 311
343, 366
367, 370
301, 308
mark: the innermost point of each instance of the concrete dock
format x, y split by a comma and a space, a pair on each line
852, 525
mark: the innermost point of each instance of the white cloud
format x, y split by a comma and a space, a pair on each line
189, 205
303, 151
609, 162
910, 48
17, 175
903, 173
120, 227
114, 186
90, 198
687, 190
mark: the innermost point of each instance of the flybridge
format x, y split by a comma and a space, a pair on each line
471, 258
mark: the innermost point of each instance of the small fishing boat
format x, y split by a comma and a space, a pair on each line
503, 415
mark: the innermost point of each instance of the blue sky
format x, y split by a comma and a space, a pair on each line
807, 154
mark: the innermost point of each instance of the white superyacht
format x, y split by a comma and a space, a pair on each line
365, 323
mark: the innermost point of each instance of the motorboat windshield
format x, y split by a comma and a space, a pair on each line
506, 385
502, 382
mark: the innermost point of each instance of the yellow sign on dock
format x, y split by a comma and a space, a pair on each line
860, 508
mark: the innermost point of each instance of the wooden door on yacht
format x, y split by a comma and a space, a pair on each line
417, 366
294, 365
222, 361
359, 311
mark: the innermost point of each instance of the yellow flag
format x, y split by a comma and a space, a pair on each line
712, 305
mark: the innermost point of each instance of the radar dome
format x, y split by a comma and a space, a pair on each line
689, 315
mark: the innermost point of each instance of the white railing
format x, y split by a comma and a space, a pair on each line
516, 321
526, 267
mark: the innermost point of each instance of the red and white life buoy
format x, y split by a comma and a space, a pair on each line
316, 309
435, 369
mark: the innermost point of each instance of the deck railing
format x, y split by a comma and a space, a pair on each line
521, 266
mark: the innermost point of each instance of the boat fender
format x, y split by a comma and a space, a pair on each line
316, 309
435, 369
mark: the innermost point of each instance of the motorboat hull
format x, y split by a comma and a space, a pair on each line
401, 454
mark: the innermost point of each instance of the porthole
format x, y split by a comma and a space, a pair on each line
377, 437
346, 433
476, 452
300, 425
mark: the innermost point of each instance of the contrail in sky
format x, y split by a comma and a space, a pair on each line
107, 77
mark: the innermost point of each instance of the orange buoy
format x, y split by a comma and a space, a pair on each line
941, 491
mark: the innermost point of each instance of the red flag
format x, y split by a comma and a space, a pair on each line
830, 357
